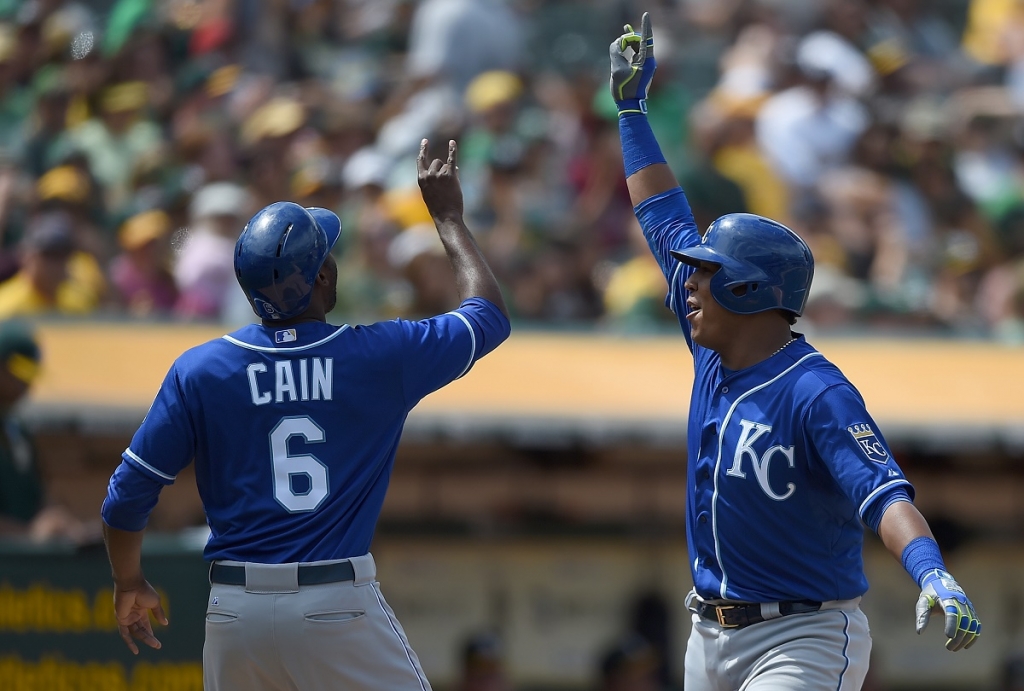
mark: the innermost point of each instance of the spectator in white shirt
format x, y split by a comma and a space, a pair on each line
812, 126
204, 270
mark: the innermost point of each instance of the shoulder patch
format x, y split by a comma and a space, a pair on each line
868, 442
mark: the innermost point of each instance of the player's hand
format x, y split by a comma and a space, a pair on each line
631, 78
941, 591
132, 605
439, 183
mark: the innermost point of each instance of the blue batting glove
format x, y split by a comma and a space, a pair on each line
940, 589
631, 78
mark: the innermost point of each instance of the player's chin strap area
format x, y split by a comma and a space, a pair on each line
737, 615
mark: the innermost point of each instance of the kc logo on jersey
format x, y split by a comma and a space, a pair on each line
750, 433
869, 442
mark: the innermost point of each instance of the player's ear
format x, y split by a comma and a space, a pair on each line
327, 271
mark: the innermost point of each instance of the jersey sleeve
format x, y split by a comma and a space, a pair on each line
166, 441
161, 447
668, 224
439, 350
848, 442
131, 495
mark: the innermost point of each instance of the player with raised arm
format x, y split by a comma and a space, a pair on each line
784, 462
293, 426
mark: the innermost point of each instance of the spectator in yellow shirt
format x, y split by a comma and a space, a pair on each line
54, 276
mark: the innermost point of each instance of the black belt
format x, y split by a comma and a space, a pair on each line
309, 574
738, 616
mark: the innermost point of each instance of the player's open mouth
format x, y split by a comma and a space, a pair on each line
694, 309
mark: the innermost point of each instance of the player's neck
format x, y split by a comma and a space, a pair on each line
315, 312
290, 322
756, 343
310, 315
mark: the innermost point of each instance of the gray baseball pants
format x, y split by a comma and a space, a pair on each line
827, 650
274, 635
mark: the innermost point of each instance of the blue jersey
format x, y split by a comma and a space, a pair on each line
294, 430
784, 461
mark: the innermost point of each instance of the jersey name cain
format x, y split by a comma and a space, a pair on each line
303, 379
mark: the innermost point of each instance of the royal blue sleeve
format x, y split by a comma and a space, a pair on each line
166, 441
439, 350
668, 224
848, 442
162, 446
131, 496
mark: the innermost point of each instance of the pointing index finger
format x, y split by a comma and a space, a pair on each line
647, 33
421, 159
452, 154
641, 51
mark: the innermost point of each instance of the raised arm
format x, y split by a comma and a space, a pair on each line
630, 81
658, 201
442, 193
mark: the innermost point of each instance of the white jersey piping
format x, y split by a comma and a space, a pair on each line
718, 461
672, 288
147, 466
876, 491
267, 349
472, 342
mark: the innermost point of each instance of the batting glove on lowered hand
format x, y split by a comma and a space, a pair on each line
631, 77
938, 588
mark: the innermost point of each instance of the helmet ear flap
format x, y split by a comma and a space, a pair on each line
744, 288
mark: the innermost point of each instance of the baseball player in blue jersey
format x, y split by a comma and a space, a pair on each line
785, 463
293, 426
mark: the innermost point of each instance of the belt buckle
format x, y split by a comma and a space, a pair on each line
721, 618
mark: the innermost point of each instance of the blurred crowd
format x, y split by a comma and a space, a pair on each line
138, 136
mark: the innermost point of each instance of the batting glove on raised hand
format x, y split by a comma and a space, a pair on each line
938, 588
631, 78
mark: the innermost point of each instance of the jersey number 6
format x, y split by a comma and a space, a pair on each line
315, 489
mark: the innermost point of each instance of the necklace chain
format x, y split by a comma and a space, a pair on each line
782, 348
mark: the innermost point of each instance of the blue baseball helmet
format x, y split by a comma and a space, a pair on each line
279, 254
769, 260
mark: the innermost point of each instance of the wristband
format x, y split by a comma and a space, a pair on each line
632, 105
920, 557
639, 147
